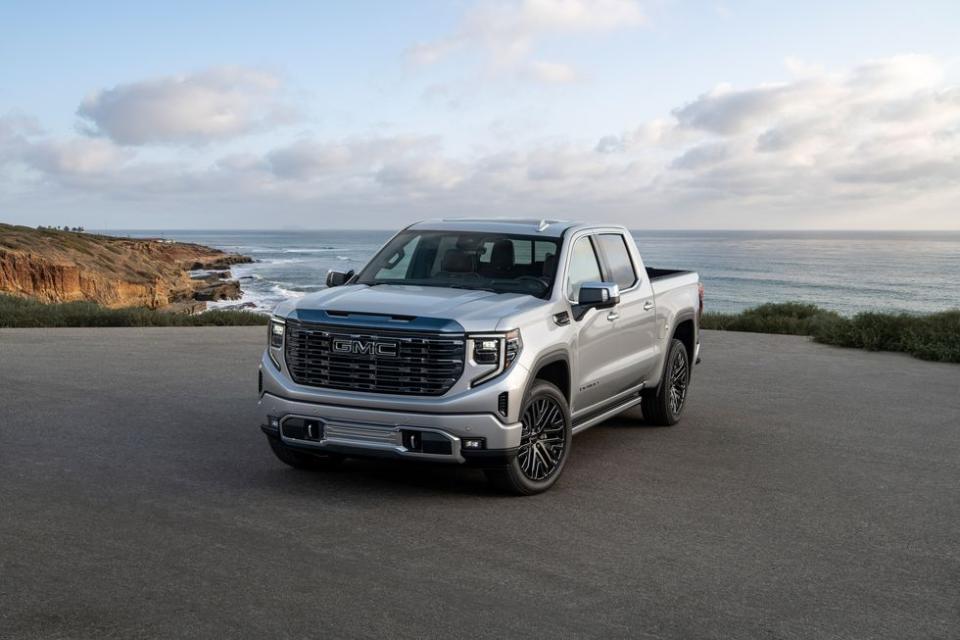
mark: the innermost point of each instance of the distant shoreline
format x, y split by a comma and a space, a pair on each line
932, 233
61, 265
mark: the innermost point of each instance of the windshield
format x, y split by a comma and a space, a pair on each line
498, 262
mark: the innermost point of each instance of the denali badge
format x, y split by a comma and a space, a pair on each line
365, 348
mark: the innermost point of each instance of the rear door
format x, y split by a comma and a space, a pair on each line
634, 320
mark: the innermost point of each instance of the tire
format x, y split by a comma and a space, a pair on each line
302, 459
664, 405
544, 444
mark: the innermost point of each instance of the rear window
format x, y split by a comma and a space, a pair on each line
613, 246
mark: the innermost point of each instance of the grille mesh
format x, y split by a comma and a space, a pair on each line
424, 364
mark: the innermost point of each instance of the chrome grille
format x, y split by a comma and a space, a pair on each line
425, 363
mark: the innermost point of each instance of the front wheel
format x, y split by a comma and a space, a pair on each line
664, 405
545, 441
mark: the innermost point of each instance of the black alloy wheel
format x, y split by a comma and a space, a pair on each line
542, 440
545, 439
664, 405
679, 381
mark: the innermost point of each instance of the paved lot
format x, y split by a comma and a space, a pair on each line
809, 492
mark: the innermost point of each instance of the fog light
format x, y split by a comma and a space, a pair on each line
474, 443
274, 421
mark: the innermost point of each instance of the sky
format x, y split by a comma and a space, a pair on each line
661, 114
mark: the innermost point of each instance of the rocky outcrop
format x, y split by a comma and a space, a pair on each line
215, 287
62, 266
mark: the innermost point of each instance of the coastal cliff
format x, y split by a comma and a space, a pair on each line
62, 266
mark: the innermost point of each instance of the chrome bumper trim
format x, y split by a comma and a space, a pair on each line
382, 438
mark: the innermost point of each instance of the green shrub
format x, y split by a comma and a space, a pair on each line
21, 312
793, 318
930, 337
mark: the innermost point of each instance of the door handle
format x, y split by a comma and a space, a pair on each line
613, 315
647, 305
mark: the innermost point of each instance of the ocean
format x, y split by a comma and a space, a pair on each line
845, 271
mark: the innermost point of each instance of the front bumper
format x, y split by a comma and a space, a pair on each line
373, 432
367, 424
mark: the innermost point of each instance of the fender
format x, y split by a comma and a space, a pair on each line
558, 354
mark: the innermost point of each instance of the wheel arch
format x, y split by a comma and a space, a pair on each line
685, 330
554, 367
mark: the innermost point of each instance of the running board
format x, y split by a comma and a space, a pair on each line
606, 415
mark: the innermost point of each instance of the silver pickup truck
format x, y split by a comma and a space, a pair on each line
482, 342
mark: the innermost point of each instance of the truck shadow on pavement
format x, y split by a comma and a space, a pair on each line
371, 479
630, 419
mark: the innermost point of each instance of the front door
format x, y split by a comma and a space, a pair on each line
596, 333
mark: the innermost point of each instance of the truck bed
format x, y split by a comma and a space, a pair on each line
657, 274
675, 286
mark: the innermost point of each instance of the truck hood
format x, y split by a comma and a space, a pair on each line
474, 310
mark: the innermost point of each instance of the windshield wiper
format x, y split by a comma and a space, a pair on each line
463, 286
414, 283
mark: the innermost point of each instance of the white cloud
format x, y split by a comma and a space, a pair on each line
551, 72
507, 31
702, 155
77, 156
823, 148
874, 128
309, 159
23, 142
211, 105
420, 174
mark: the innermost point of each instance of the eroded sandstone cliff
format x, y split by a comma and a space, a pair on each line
62, 266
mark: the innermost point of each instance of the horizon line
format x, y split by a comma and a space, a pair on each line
394, 229
672, 229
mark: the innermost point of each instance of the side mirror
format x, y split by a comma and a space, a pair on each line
337, 278
596, 295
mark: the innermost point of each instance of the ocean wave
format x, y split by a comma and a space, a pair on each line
287, 293
247, 250
284, 260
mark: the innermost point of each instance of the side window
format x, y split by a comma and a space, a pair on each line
613, 246
395, 267
583, 267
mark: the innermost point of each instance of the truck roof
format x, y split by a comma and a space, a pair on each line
527, 226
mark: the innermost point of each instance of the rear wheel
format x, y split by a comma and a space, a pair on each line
545, 441
303, 459
664, 405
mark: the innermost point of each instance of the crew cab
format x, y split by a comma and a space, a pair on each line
481, 342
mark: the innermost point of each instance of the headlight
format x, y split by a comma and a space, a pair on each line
276, 333
277, 329
496, 349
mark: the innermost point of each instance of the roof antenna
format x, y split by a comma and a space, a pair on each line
543, 225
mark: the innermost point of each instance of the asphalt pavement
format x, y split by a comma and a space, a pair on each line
809, 492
